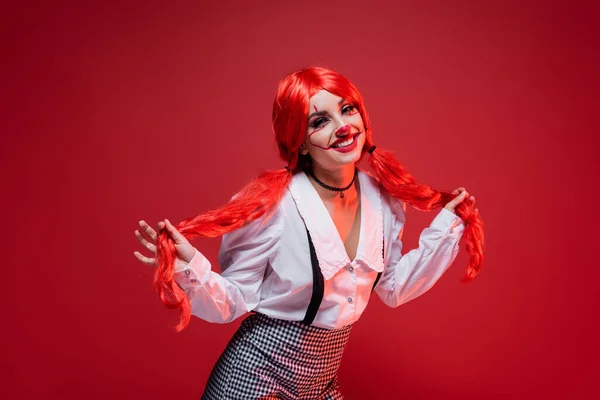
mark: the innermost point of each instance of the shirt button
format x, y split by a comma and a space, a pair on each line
349, 299
187, 272
351, 268
193, 281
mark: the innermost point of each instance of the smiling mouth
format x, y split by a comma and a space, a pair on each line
346, 142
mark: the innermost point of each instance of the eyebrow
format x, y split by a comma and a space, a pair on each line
323, 111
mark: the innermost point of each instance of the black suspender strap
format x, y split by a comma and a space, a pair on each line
376, 280
318, 285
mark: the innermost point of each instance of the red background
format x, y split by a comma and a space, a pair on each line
142, 110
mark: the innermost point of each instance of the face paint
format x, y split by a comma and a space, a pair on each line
313, 132
337, 120
315, 144
344, 129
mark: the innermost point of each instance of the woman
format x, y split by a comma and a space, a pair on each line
303, 247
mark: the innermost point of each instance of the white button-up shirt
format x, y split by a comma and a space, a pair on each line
266, 264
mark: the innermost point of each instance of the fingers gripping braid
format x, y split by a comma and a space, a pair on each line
257, 200
399, 183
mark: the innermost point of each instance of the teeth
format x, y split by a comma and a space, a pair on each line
344, 144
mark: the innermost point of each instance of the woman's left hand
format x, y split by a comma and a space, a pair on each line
462, 195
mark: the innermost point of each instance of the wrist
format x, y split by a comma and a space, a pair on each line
451, 210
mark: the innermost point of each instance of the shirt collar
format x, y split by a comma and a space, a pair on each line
329, 247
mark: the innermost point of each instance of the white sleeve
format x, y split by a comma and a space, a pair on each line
243, 257
407, 277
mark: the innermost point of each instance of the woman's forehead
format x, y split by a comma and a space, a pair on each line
324, 98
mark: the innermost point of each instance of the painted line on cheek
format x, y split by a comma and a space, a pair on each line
316, 145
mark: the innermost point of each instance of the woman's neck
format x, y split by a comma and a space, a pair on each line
339, 178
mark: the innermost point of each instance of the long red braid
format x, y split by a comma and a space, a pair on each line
259, 198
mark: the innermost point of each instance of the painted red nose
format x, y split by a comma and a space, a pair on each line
343, 131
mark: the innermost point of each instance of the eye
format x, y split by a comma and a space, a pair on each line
318, 122
349, 109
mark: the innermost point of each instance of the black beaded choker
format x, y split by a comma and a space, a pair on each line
333, 188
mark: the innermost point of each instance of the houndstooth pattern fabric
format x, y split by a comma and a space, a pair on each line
269, 358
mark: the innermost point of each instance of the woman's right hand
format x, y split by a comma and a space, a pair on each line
185, 251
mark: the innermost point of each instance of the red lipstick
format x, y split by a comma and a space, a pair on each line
348, 148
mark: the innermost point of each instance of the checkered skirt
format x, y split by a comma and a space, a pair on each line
270, 358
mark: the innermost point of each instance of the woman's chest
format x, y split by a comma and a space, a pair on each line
346, 221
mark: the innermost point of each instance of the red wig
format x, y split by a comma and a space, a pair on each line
260, 197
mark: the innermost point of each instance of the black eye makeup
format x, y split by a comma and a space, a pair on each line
351, 109
347, 109
317, 123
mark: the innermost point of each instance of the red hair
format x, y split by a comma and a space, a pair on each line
260, 196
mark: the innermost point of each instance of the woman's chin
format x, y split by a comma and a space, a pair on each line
349, 158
